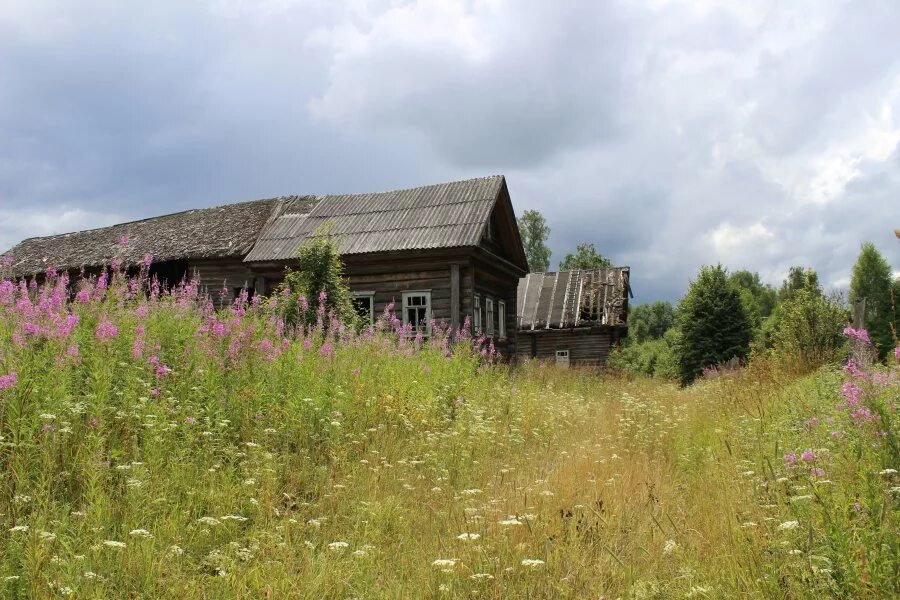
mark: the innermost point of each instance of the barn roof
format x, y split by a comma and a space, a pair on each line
445, 215
567, 299
221, 231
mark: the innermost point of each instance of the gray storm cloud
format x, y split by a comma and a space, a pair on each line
670, 134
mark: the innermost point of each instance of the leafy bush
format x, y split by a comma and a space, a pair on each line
316, 285
651, 357
809, 330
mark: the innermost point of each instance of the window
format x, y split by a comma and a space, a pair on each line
501, 314
364, 304
562, 358
417, 311
476, 325
489, 325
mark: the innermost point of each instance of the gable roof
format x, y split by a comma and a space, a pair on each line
559, 300
217, 232
445, 215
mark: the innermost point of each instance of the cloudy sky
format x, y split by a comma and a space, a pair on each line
670, 134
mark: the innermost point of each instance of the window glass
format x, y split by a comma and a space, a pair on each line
501, 315
476, 325
489, 321
364, 306
417, 311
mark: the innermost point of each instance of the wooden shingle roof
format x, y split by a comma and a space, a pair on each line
445, 215
217, 232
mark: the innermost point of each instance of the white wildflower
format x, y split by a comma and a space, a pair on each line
788, 525
209, 521
670, 547
510, 521
887, 471
175, 550
19, 529
338, 546
445, 563
47, 416
234, 518
114, 544
477, 576
532, 563
47, 535
468, 537
470, 492
801, 498
141, 533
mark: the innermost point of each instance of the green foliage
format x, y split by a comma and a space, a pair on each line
759, 299
808, 330
585, 257
319, 269
650, 321
713, 324
872, 279
534, 232
653, 357
798, 279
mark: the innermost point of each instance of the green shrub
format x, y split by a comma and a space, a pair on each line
317, 286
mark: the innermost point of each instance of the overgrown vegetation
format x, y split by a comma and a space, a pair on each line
154, 447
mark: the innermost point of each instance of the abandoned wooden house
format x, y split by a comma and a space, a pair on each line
443, 252
572, 317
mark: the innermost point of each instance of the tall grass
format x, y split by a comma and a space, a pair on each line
155, 447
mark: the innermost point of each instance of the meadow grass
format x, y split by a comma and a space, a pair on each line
153, 447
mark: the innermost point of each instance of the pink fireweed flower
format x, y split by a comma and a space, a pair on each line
190, 420
162, 371
897, 353
790, 458
852, 369
106, 330
860, 335
123, 240
356, 372
851, 393
811, 422
327, 350
146, 261
142, 311
817, 472
8, 380
307, 344
808, 456
83, 296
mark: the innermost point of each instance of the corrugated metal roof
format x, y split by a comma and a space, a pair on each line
565, 299
436, 216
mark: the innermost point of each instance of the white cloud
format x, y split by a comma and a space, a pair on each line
17, 224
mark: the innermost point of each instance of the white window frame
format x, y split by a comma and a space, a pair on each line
489, 316
427, 295
476, 316
371, 298
501, 319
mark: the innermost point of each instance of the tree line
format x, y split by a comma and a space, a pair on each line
726, 316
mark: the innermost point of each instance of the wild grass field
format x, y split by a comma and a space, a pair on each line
153, 447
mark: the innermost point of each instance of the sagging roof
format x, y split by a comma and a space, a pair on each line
568, 299
446, 215
435, 216
217, 232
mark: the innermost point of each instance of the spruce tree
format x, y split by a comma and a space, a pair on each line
534, 232
872, 280
713, 324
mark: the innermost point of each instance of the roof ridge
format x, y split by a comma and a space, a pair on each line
415, 187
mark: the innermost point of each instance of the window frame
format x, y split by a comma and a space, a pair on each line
501, 319
476, 315
428, 310
371, 298
489, 316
